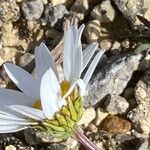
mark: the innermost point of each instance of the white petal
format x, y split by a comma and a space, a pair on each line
11, 97
77, 64
12, 128
13, 122
77, 56
72, 60
28, 112
7, 116
81, 28
7, 119
7, 113
88, 53
50, 94
23, 80
44, 60
69, 43
93, 66
78, 83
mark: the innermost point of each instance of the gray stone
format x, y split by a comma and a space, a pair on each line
104, 12
27, 62
145, 64
32, 9
80, 8
116, 104
144, 145
57, 146
140, 115
128, 93
130, 8
9, 11
52, 14
127, 141
111, 78
35, 137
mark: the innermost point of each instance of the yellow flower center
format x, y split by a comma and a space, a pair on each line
37, 104
64, 88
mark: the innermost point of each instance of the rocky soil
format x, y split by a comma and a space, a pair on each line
117, 104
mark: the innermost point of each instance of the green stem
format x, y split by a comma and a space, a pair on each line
84, 140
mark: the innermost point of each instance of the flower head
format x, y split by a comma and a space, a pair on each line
45, 102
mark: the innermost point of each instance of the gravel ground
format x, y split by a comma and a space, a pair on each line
117, 103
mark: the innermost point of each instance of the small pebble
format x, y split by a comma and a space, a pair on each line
33, 9
10, 147
105, 44
115, 125
104, 12
92, 31
116, 104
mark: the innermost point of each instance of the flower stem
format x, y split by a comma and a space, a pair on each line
84, 140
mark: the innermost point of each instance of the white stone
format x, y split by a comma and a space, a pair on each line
1, 61
57, 2
9, 36
116, 105
88, 115
100, 115
71, 143
105, 44
10, 147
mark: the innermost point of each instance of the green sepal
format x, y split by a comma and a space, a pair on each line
54, 127
72, 110
66, 111
54, 122
70, 122
61, 119
79, 107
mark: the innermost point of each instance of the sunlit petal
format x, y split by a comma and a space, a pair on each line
44, 60
77, 64
69, 43
50, 94
77, 59
23, 80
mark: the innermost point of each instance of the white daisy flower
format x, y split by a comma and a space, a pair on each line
44, 101
17, 103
